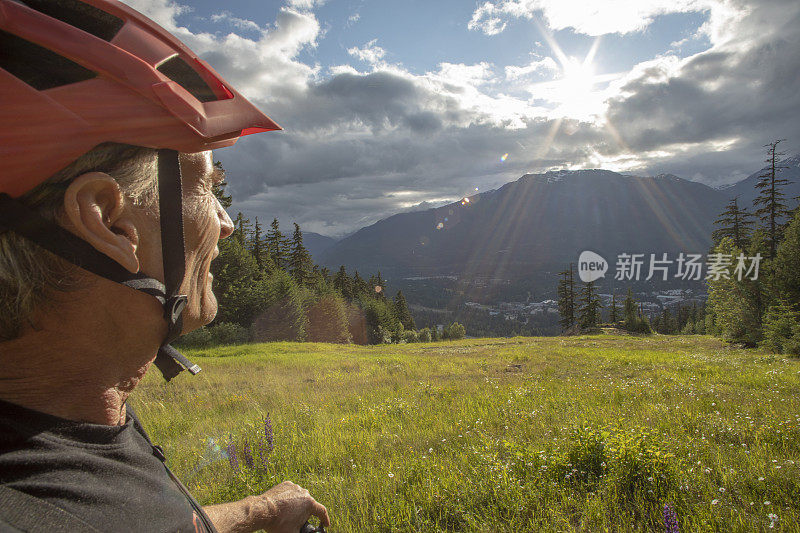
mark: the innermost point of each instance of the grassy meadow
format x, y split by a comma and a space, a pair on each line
593, 433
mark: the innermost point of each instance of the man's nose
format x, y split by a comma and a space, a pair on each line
225, 222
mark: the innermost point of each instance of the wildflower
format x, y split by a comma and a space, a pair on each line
268, 432
714, 502
391, 475
761, 479
767, 502
772, 519
670, 519
265, 443
722, 489
247, 455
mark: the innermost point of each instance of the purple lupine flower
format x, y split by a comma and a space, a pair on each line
247, 455
268, 431
265, 443
670, 519
232, 458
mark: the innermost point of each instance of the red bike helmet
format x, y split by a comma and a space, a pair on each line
78, 73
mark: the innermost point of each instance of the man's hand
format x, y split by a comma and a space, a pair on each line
282, 509
289, 506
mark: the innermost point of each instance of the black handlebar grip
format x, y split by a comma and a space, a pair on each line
308, 528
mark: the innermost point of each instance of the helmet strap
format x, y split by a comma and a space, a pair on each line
17, 217
170, 204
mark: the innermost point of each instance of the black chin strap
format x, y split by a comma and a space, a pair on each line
19, 218
170, 205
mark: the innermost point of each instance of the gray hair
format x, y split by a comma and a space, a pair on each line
31, 277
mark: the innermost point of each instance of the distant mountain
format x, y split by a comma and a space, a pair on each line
540, 222
746, 189
316, 243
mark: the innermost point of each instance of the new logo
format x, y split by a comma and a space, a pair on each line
591, 266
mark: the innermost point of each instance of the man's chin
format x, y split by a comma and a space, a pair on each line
197, 316
209, 308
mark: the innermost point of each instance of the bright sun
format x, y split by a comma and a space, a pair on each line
575, 90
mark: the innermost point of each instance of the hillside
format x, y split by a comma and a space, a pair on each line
539, 222
746, 191
316, 244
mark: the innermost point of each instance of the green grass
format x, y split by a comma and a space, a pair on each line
591, 433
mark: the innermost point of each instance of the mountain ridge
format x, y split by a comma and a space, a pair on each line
537, 222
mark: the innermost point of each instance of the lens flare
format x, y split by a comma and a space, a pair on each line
503, 159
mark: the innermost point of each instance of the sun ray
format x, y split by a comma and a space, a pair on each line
551, 41
549, 139
589, 59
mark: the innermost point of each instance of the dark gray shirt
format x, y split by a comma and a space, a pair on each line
109, 477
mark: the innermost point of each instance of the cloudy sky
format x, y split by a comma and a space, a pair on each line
396, 105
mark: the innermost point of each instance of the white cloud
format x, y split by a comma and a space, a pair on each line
369, 53
335, 70
305, 5
590, 17
352, 19
164, 12
461, 74
547, 65
236, 22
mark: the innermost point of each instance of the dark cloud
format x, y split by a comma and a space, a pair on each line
749, 93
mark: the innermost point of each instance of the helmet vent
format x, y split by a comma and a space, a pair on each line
181, 73
37, 66
80, 15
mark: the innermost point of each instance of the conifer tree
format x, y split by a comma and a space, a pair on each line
590, 306
630, 307
666, 322
402, 312
343, 284
241, 230
737, 305
377, 284
219, 187
257, 246
300, 265
613, 310
566, 299
634, 316
322, 276
772, 209
360, 287
787, 265
277, 245
735, 223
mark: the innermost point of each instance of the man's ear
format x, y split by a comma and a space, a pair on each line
94, 206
